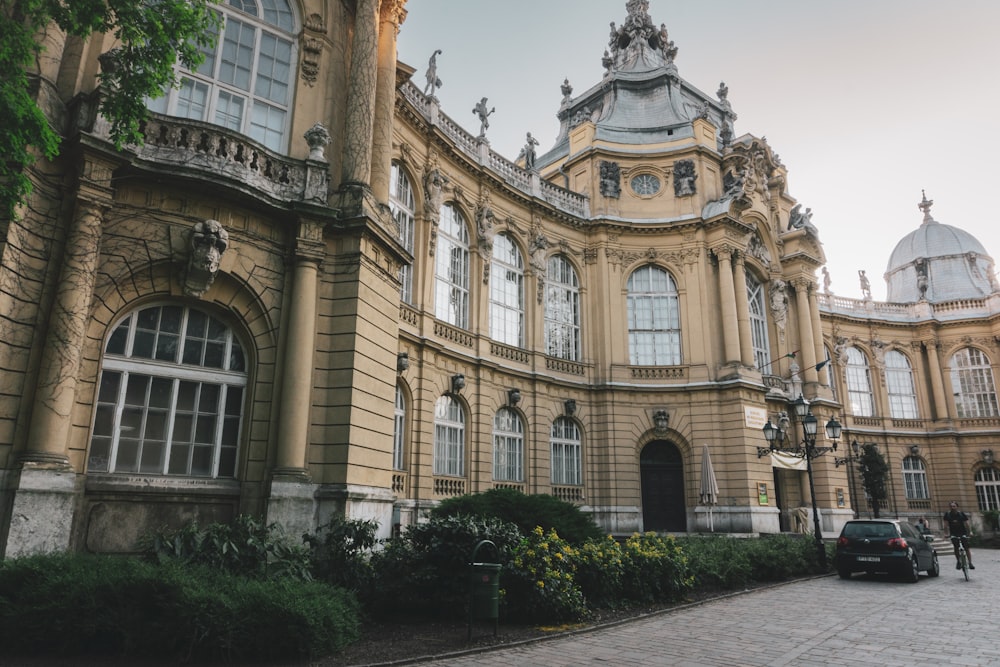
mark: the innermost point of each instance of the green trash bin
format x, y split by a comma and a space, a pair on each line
484, 588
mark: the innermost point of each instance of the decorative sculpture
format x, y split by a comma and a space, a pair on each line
208, 241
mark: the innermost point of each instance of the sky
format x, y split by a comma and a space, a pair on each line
867, 102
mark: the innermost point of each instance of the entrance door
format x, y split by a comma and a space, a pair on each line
662, 477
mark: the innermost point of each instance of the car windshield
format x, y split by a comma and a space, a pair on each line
869, 530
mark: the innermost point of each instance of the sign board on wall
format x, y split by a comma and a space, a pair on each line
754, 418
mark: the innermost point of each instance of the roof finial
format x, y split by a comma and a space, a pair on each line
925, 206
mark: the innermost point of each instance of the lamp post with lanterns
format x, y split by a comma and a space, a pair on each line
779, 442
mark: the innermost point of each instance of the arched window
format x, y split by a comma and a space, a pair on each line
401, 205
567, 461
170, 400
449, 437
562, 310
915, 478
508, 446
654, 326
244, 83
507, 292
972, 382
399, 431
899, 381
758, 322
988, 489
451, 276
859, 384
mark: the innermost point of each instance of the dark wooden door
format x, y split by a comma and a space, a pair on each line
662, 477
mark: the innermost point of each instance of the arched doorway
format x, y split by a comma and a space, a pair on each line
661, 472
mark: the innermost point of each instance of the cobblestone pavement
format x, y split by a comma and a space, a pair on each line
818, 622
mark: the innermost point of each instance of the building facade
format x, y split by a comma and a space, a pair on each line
310, 293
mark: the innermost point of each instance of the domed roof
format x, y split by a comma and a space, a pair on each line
938, 262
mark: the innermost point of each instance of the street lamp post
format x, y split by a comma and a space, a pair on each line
852, 455
776, 437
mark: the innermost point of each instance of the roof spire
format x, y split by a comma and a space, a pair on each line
925, 206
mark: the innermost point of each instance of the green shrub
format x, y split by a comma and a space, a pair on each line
425, 571
600, 569
526, 512
721, 563
340, 552
538, 581
78, 604
246, 547
655, 568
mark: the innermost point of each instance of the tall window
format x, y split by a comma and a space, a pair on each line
567, 462
401, 206
451, 278
244, 82
859, 384
988, 488
507, 292
899, 381
915, 478
508, 446
170, 399
758, 322
562, 310
654, 327
399, 432
972, 382
449, 437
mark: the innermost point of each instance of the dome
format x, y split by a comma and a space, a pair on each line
938, 262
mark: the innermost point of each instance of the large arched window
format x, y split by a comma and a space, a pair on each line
972, 382
899, 382
399, 430
170, 400
915, 478
508, 446
859, 384
988, 489
758, 322
449, 437
562, 310
654, 326
507, 292
451, 274
401, 205
567, 452
244, 83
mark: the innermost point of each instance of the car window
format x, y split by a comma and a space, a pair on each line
907, 530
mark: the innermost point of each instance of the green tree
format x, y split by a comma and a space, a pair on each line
151, 36
874, 472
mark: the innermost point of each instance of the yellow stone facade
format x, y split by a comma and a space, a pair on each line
392, 314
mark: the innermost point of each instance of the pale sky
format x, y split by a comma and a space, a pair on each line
867, 102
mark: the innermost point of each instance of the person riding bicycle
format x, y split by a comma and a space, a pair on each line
956, 525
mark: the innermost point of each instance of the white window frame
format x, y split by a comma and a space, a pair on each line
399, 431
756, 304
449, 437
507, 292
401, 206
654, 326
859, 383
508, 446
899, 384
567, 453
451, 274
915, 478
562, 309
988, 488
973, 385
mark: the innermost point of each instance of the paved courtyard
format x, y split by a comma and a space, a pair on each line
824, 621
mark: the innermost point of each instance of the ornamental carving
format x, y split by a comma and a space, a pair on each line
208, 241
684, 178
611, 180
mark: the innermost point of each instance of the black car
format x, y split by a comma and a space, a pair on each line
885, 546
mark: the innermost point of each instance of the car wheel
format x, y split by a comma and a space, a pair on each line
935, 568
844, 573
912, 572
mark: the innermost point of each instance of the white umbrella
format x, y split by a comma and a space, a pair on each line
709, 487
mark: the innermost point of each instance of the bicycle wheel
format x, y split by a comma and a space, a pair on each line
965, 563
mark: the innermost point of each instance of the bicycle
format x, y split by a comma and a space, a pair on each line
963, 556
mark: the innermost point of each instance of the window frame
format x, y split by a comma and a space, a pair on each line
402, 207
973, 384
988, 490
507, 292
858, 377
757, 312
449, 453
451, 286
508, 446
915, 478
563, 330
566, 447
653, 345
900, 386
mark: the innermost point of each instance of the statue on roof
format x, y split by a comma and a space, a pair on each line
484, 114
433, 82
528, 152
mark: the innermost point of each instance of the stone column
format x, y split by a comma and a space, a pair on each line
727, 301
743, 312
357, 165
806, 343
941, 404
824, 373
391, 16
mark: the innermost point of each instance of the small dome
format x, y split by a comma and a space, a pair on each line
937, 263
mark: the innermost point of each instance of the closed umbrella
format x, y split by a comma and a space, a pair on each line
709, 487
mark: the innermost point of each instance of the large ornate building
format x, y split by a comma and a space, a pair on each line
310, 292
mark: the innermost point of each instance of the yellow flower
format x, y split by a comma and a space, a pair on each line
541, 584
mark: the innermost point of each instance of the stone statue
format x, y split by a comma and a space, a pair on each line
797, 219
528, 152
611, 179
208, 241
779, 302
866, 286
684, 178
433, 82
483, 112
567, 91
826, 281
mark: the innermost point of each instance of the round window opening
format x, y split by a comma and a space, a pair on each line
646, 184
